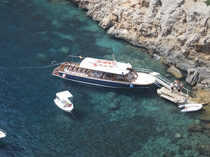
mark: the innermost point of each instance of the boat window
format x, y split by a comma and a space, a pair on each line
99, 74
102, 75
78, 69
96, 74
70, 68
108, 76
83, 70
73, 68
65, 69
86, 72
121, 78
130, 76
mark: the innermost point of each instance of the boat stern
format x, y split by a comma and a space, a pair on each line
145, 79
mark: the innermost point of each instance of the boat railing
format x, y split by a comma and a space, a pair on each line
162, 81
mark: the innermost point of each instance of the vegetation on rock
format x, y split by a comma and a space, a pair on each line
208, 2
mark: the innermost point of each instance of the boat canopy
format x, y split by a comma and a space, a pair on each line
64, 95
106, 66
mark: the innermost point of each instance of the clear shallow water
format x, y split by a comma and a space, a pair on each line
36, 32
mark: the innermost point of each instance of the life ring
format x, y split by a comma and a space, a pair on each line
95, 65
64, 75
69, 105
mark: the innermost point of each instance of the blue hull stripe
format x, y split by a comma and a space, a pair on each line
102, 83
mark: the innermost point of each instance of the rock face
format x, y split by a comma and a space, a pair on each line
177, 30
193, 77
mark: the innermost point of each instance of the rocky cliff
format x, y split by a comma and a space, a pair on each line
175, 31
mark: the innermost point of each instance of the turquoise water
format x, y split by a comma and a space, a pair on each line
34, 33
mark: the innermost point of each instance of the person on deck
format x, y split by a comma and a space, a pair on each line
176, 85
172, 87
180, 87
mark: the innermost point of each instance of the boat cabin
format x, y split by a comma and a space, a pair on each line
101, 69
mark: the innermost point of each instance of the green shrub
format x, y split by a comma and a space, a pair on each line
208, 2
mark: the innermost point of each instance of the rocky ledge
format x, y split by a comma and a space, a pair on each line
176, 30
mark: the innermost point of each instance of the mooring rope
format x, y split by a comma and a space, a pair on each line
40, 67
53, 63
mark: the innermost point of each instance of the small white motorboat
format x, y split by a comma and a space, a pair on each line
64, 101
2, 133
190, 107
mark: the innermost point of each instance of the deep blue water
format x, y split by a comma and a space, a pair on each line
35, 32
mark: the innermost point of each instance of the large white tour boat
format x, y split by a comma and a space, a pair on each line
104, 73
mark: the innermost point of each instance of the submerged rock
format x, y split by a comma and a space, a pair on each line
207, 126
203, 97
64, 49
203, 149
195, 128
207, 133
41, 56
176, 72
178, 135
197, 121
113, 106
206, 114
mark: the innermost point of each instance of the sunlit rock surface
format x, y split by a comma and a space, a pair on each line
178, 30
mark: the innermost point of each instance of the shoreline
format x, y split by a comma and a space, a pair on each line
174, 32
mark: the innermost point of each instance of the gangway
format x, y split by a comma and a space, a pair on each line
161, 81
165, 91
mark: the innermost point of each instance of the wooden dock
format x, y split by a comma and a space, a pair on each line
176, 97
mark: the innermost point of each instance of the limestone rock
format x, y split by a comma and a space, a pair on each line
193, 77
203, 149
207, 125
207, 133
194, 128
177, 30
206, 114
176, 72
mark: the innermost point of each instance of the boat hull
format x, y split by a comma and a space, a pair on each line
100, 82
61, 106
191, 107
2, 134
